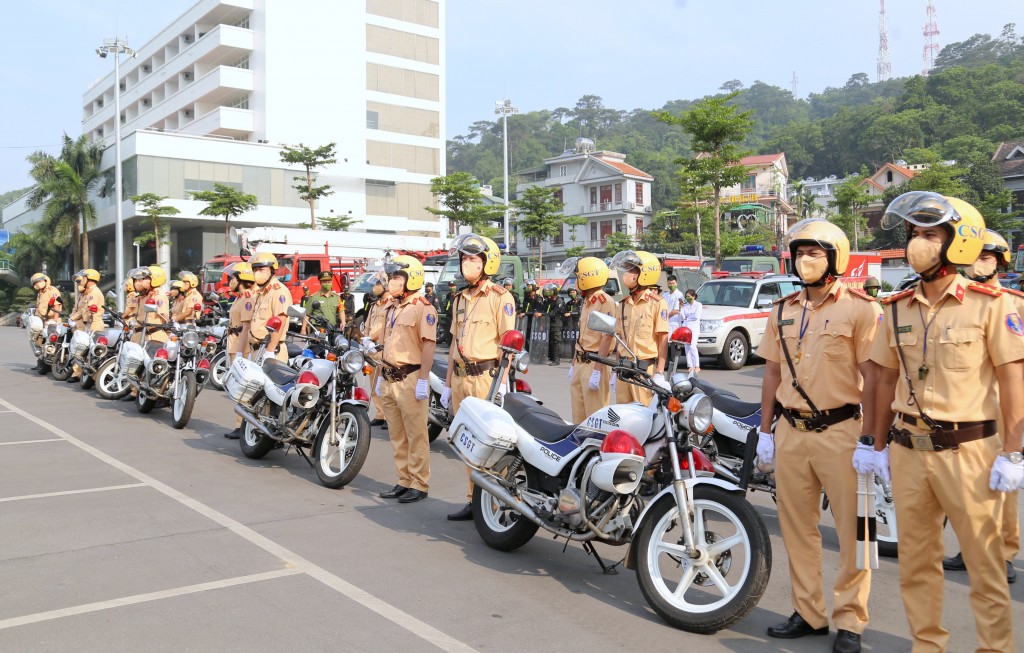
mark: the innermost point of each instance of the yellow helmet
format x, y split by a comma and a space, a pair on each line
189, 278
997, 244
178, 285
157, 276
927, 209
591, 272
88, 274
824, 234
129, 286
646, 263
263, 260
475, 245
243, 272
37, 277
412, 268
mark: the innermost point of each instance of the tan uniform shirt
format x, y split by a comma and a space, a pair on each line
159, 316
406, 325
374, 328
837, 336
81, 314
273, 299
131, 301
974, 328
482, 316
241, 312
184, 306
642, 317
43, 302
589, 339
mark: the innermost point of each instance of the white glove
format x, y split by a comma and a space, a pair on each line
446, 396
1005, 476
864, 459
766, 447
882, 465
569, 375
367, 343
612, 381
659, 380
422, 389
71, 323
595, 380
376, 389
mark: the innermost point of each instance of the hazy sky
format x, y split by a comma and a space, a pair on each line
540, 53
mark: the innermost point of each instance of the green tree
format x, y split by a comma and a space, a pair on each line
716, 129
225, 202
849, 198
154, 209
336, 222
574, 222
310, 159
539, 215
578, 250
34, 250
63, 187
617, 241
459, 194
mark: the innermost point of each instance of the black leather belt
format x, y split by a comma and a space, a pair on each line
397, 373
807, 421
581, 355
950, 435
474, 368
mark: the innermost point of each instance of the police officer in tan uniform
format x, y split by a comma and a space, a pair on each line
821, 337
48, 305
995, 257
643, 321
176, 295
940, 352
588, 381
83, 318
482, 313
130, 299
149, 284
375, 324
240, 284
408, 331
185, 307
272, 299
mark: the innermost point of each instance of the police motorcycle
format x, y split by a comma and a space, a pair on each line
317, 407
57, 350
52, 336
700, 551
730, 443
439, 418
172, 372
103, 349
215, 322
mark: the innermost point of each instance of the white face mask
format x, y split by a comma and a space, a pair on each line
923, 254
811, 270
396, 286
981, 269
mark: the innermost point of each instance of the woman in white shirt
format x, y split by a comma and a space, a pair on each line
690, 311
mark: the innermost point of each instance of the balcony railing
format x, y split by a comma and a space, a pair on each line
604, 207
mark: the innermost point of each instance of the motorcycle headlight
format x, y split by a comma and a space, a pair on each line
351, 362
710, 326
681, 384
190, 339
698, 410
522, 361
340, 341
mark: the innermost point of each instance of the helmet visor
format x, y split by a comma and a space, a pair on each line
919, 207
139, 273
568, 267
627, 260
470, 244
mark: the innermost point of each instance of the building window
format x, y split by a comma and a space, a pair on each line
405, 120
240, 102
606, 230
561, 171
620, 225
639, 194
421, 12
425, 160
243, 22
241, 63
396, 43
593, 198
400, 81
618, 193
593, 232
639, 227
558, 195
750, 183
372, 120
888, 176
606, 197
559, 239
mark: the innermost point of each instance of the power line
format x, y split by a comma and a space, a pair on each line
26, 147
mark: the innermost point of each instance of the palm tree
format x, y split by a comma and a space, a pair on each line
33, 251
63, 187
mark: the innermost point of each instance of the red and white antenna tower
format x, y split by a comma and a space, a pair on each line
931, 39
884, 67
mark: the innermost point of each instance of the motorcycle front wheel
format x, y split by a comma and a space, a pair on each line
499, 526
434, 430
717, 589
184, 400
340, 455
885, 520
87, 380
110, 384
254, 444
61, 369
219, 367
144, 404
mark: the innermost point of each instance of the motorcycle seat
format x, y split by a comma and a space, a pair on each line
539, 421
711, 390
734, 407
278, 372
294, 350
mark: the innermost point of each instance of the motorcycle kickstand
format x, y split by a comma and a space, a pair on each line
305, 457
605, 569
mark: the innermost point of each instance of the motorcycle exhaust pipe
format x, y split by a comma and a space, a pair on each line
749, 451
498, 492
728, 474
244, 414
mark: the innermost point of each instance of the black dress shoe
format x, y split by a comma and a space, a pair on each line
234, 435
412, 496
463, 515
73, 379
795, 627
1011, 573
954, 563
846, 642
394, 492
378, 422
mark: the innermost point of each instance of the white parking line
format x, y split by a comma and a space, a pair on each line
67, 492
395, 615
142, 598
4, 444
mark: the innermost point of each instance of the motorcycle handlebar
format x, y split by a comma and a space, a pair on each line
610, 362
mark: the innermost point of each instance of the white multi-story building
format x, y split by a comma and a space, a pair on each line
601, 187
215, 94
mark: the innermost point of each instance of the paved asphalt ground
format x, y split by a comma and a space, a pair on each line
118, 533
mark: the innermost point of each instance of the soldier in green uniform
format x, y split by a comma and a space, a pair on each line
330, 307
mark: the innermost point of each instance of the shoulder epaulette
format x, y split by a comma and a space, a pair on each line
857, 292
898, 296
501, 290
787, 297
985, 290
1014, 292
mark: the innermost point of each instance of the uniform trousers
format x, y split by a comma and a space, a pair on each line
469, 386
692, 355
627, 392
586, 402
805, 463
407, 427
929, 486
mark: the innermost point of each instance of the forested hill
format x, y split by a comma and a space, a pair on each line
971, 101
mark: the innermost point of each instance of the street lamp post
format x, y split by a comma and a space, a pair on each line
504, 108
117, 46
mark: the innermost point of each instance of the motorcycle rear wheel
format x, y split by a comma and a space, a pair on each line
144, 404
184, 400
434, 430
110, 384
337, 465
219, 367
254, 444
499, 526
700, 598
87, 380
43, 368
61, 369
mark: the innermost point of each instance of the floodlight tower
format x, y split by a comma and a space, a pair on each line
884, 72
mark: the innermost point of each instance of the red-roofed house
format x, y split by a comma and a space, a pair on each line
597, 185
762, 194
889, 174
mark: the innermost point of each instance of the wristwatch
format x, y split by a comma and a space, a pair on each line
1014, 457
868, 440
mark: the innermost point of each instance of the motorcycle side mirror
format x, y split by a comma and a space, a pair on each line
681, 384
111, 294
274, 324
297, 311
212, 296
316, 306
601, 323
149, 306
764, 303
